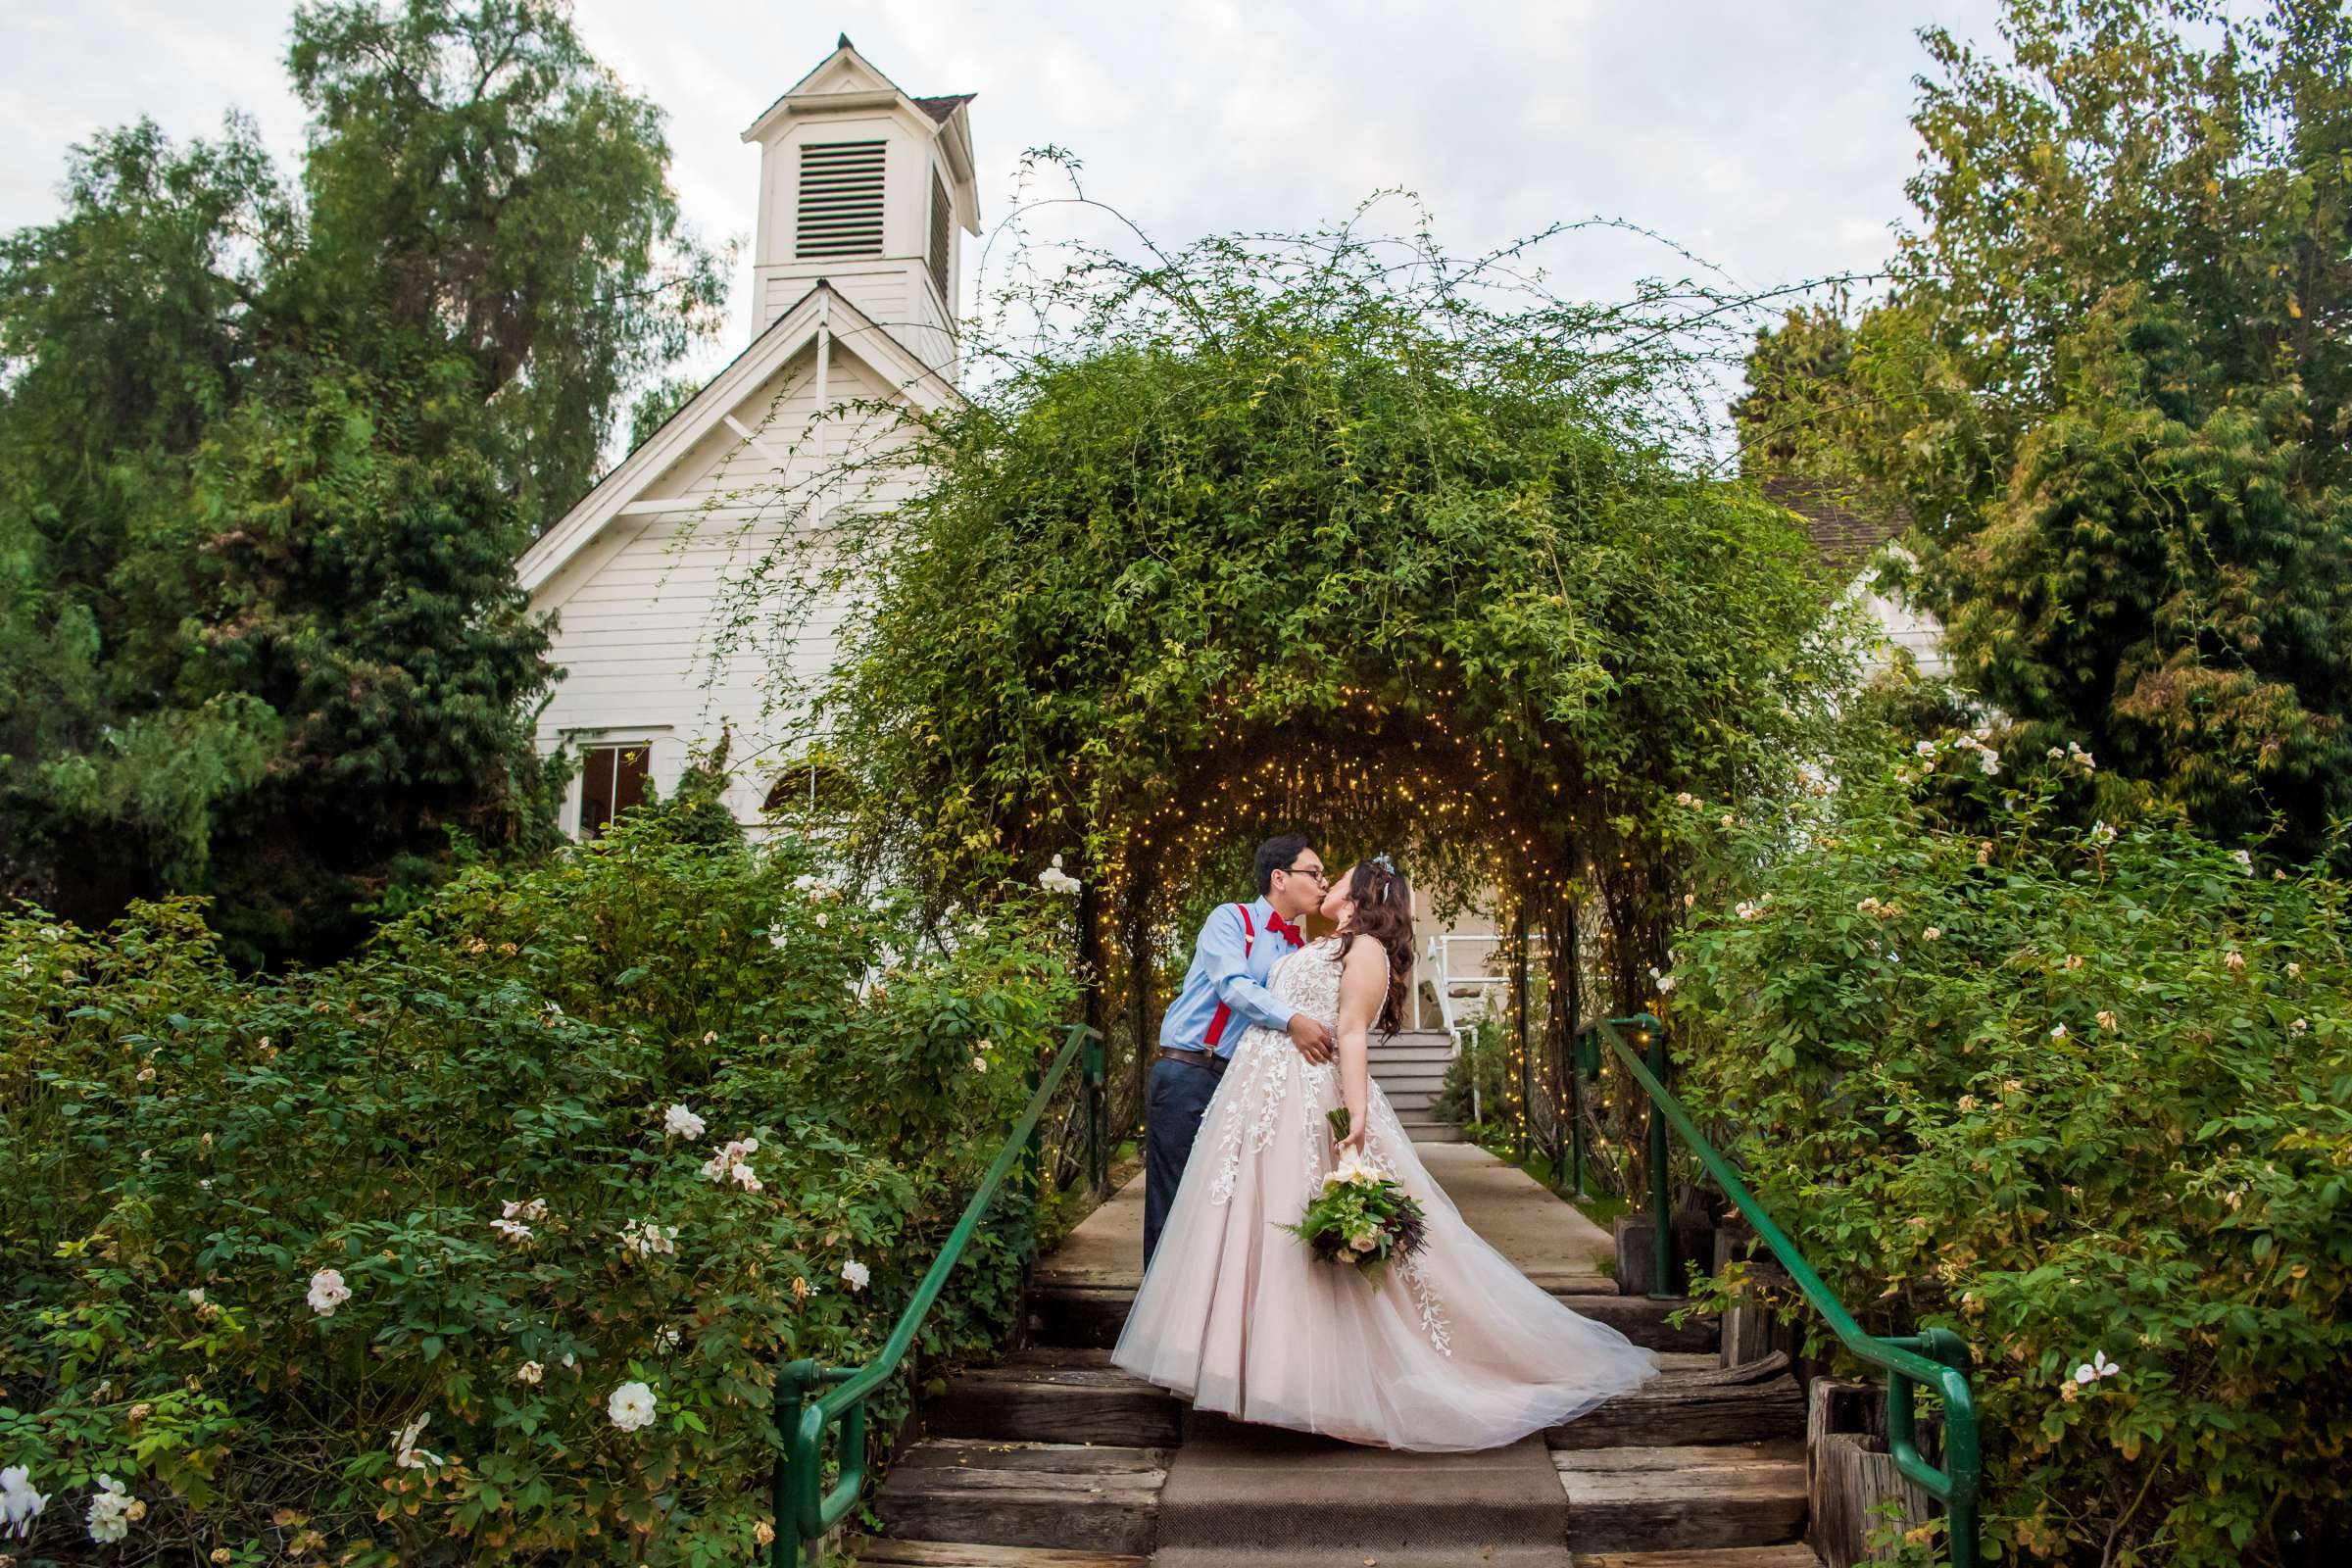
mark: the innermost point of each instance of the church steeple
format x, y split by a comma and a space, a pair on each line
871, 190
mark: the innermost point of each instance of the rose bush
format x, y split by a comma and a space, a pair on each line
423, 1258
2083, 1095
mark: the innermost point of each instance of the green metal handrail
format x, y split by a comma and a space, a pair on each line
803, 1512
1936, 1358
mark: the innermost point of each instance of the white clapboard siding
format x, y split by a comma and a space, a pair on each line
1902, 625
673, 623
640, 616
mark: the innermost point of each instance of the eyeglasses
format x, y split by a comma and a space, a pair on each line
1315, 871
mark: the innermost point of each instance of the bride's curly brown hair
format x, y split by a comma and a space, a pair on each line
1383, 912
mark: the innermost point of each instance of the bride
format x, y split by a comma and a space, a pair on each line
1454, 1349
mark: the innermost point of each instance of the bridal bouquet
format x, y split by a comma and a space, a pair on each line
1361, 1216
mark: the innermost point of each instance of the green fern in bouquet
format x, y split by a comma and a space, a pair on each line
1361, 1217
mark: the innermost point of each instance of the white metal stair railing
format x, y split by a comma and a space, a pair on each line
1439, 959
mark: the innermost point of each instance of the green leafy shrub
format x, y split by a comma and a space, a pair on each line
1479, 1084
471, 1125
2083, 1095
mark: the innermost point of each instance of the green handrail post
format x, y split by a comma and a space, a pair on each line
1586, 1067
803, 1511
1649, 1033
1098, 1092
1936, 1359
1567, 1147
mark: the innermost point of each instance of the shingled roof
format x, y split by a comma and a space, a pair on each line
939, 109
1845, 537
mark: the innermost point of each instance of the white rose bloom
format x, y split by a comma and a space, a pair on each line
631, 1406
729, 1163
646, 1239
110, 1512
680, 1122
405, 1451
20, 1504
854, 1275
329, 1292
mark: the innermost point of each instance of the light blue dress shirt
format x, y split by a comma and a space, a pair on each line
1220, 973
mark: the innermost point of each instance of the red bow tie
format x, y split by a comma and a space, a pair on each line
1278, 924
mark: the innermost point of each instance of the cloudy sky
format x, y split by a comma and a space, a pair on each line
1769, 136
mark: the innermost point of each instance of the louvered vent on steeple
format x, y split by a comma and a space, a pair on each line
841, 199
941, 215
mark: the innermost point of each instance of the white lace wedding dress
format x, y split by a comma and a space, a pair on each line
1455, 1349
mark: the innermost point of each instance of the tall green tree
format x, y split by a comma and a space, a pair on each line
2110, 383
269, 447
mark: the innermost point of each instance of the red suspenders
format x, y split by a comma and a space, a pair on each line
1217, 1020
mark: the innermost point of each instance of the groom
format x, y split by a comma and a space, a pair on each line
1224, 993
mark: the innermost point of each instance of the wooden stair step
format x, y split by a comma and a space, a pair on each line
1647, 1322
1694, 1403
1055, 1399
878, 1551
1790, 1556
1078, 1315
1651, 1498
1081, 1498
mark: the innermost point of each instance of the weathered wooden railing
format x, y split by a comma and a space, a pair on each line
1936, 1359
805, 1510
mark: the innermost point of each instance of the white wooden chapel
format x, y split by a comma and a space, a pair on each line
866, 196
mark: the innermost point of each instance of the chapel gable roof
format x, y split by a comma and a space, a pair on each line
940, 108
1845, 528
854, 70
852, 332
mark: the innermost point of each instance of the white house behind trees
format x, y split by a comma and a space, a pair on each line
866, 196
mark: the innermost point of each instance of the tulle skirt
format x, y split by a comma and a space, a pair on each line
1453, 1350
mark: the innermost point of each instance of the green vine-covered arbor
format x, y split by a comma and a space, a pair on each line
1292, 535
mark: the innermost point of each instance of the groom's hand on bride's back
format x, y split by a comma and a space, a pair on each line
1312, 1038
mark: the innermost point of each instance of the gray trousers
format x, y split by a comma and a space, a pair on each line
1175, 1099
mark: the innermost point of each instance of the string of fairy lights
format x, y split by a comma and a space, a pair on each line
1362, 772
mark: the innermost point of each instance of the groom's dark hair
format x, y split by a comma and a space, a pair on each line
1276, 855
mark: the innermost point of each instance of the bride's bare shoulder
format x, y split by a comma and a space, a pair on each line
1360, 957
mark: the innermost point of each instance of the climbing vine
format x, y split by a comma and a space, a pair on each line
1320, 530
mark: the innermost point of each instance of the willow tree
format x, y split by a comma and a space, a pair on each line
1311, 532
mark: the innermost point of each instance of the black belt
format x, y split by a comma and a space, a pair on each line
1213, 1065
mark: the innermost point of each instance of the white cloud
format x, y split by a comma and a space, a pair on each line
1772, 139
